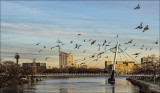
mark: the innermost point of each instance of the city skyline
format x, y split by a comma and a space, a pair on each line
26, 23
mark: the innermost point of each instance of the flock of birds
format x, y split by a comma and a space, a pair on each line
104, 45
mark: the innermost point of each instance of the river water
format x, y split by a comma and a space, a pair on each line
75, 85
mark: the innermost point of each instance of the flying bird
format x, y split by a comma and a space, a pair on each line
93, 42
146, 49
156, 42
89, 39
146, 28
125, 49
130, 41
46, 58
38, 43
52, 48
136, 53
142, 45
40, 51
141, 48
138, 7
71, 42
140, 26
117, 36
79, 35
126, 43
79, 46
109, 42
106, 46
84, 51
104, 43
58, 41
134, 44
44, 46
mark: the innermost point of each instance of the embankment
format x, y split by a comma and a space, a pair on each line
145, 87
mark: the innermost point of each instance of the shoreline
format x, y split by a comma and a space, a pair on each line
145, 87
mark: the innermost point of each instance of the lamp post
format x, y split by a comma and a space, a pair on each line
17, 57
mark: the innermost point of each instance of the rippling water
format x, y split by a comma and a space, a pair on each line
75, 85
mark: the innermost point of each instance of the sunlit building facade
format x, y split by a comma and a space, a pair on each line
65, 59
146, 60
120, 66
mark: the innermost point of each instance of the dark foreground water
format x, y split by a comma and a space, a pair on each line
75, 85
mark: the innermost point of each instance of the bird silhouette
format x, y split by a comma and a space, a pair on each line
130, 41
136, 53
93, 42
58, 41
44, 47
134, 44
76, 46
109, 42
150, 49
63, 44
138, 7
52, 48
146, 49
140, 26
79, 46
126, 43
38, 43
146, 28
40, 51
141, 48
104, 43
46, 58
125, 49
156, 42
117, 36
106, 46
71, 42
89, 40
79, 35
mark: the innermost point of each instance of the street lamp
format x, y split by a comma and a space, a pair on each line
17, 57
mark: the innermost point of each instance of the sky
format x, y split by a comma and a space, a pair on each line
26, 23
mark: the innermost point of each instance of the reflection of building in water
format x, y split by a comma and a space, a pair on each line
66, 90
120, 66
65, 59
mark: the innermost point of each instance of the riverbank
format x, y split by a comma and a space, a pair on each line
145, 87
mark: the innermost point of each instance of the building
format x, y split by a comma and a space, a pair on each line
35, 66
149, 59
108, 65
120, 66
65, 59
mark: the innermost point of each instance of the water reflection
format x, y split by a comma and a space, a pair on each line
72, 85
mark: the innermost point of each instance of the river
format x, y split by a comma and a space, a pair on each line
75, 85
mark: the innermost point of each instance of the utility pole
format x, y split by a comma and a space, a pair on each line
112, 79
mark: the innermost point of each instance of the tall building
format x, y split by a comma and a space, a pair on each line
65, 59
